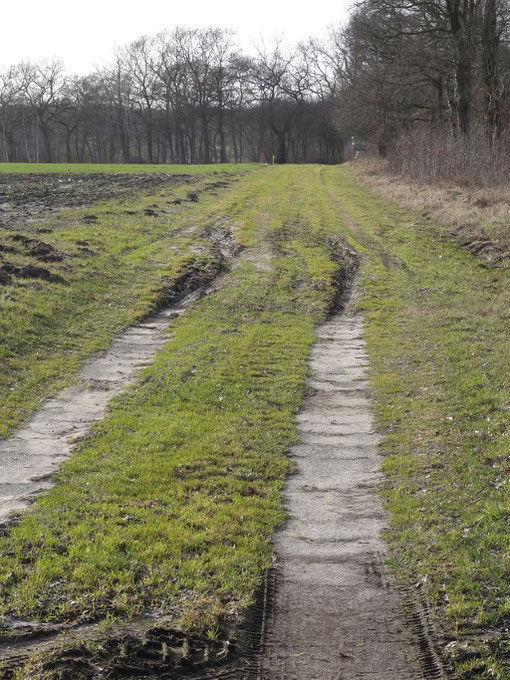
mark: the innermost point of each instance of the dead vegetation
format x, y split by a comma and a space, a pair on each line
477, 216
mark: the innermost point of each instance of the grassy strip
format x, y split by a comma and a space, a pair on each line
114, 267
131, 168
170, 505
437, 334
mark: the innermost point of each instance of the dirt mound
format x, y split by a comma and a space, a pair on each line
44, 252
29, 271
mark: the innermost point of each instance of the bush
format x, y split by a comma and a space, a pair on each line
436, 155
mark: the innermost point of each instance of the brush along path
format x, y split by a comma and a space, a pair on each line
336, 615
167, 509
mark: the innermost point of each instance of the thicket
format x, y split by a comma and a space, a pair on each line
426, 81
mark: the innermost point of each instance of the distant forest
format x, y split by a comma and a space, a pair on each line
425, 82
187, 96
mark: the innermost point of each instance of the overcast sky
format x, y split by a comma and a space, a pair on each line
84, 34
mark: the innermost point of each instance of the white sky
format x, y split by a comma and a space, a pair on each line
84, 34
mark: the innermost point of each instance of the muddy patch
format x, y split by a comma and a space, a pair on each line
145, 647
8, 271
34, 247
19, 244
155, 652
30, 198
221, 234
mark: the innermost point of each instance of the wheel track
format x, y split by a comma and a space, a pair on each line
337, 613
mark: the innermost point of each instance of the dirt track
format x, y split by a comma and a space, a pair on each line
31, 456
336, 614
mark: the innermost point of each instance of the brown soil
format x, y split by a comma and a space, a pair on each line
29, 198
7, 271
154, 652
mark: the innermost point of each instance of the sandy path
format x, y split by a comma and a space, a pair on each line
336, 615
30, 457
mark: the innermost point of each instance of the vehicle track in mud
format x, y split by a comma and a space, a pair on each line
337, 614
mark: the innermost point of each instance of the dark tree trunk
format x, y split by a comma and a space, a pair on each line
47, 142
490, 48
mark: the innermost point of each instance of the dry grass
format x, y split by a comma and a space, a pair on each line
479, 217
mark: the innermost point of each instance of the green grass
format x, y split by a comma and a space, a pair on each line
124, 168
170, 504
114, 268
437, 333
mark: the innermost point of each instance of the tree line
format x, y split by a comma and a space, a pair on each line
185, 96
427, 82
423, 81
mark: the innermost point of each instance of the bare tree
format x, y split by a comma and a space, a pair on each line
42, 84
140, 59
11, 90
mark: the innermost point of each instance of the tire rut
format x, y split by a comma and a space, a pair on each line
30, 457
337, 614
